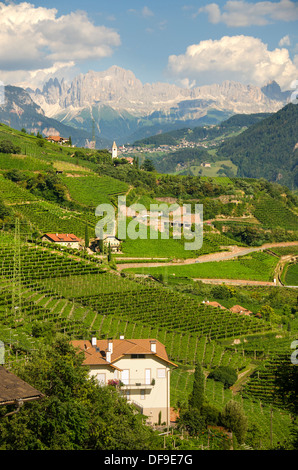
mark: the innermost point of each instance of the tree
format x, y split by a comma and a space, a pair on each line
225, 374
148, 165
196, 399
234, 419
86, 236
109, 253
76, 413
268, 314
190, 416
6, 146
191, 420
101, 245
5, 211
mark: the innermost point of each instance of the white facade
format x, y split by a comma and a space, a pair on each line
68, 240
144, 376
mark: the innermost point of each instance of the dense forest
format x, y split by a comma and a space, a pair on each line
267, 149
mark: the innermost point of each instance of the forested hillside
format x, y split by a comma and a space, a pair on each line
267, 149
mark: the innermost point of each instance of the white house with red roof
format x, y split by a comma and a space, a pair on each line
139, 367
57, 139
62, 239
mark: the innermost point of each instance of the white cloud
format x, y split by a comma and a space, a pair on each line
285, 41
238, 58
146, 12
34, 39
238, 13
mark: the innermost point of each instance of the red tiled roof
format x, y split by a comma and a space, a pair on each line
57, 138
215, 304
62, 237
96, 355
239, 309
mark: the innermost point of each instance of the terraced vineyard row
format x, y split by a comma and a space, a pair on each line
36, 264
50, 218
92, 190
78, 322
272, 213
176, 311
12, 193
262, 384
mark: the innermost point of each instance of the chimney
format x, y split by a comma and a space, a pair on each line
121, 336
94, 341
153, 346
110, 345
108, 356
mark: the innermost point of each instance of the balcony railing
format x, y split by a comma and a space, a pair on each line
132, 383
135, 384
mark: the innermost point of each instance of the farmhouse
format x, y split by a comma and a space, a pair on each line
57, 139
139, 367
62, 239
114, 242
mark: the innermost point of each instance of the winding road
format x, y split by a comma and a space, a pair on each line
233, 252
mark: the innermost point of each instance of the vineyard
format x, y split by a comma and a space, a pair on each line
45, 290
272, 214
12, 193
93, 190
52, 290
47, 217
256, 266
173, 248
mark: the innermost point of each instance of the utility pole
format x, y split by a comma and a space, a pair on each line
271, 426
16, 281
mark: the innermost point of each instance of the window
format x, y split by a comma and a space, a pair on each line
125, 376
142, 394
161, 373
137, 356
101, 379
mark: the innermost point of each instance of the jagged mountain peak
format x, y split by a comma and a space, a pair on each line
80, 102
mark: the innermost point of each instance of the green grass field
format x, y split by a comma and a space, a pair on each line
291, 278
256, 267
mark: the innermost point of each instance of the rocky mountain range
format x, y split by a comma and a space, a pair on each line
120, 107
19, 111
115, 105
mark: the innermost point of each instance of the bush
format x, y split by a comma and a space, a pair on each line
225, 374
6, 146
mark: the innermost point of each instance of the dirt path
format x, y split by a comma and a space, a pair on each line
233, 252
235, 282
242, 378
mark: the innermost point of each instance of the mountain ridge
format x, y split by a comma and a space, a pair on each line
139, 106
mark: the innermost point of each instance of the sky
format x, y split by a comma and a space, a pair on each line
184, 42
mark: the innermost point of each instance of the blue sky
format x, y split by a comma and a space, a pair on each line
189, 43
